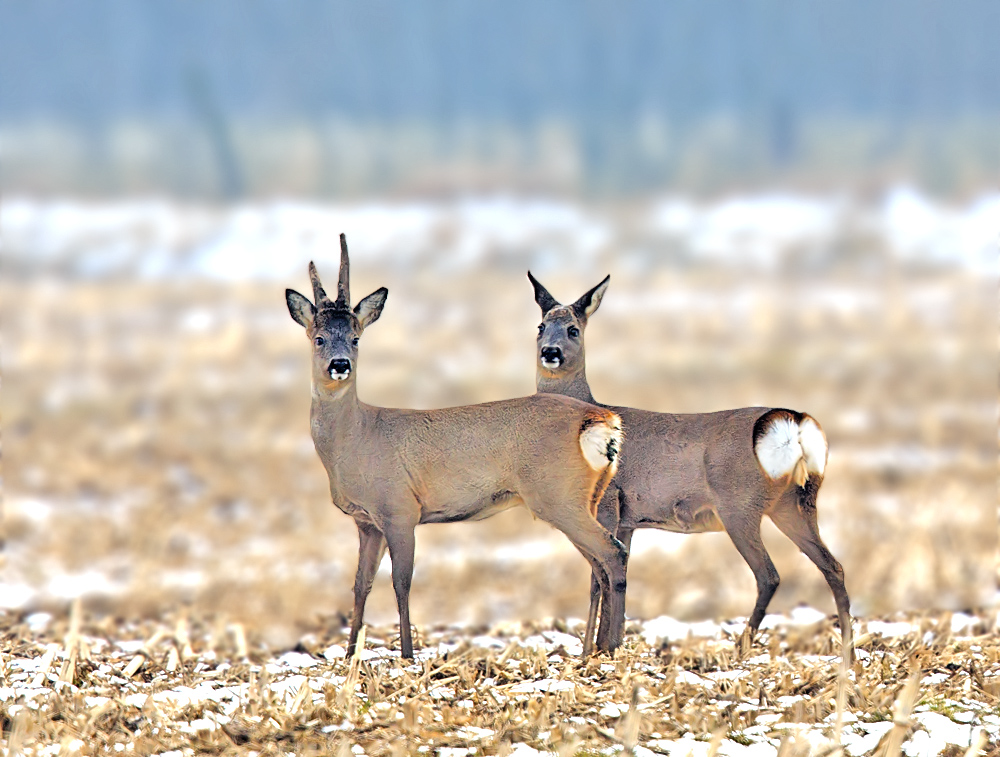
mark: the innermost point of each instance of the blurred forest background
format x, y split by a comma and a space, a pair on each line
799, 206
335, 99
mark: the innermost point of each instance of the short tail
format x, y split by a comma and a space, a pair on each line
792, 444
809, 492
601, 439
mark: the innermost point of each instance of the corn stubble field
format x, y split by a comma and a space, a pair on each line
158, 465
930, 684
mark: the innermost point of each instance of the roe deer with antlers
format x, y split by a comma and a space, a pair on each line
393, 469
693, 473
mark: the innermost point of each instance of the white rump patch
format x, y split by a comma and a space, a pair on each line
786, 442
814, 448
601, 444
779, 450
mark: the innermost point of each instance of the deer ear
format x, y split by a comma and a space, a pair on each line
545, 300
370, 308
299, 307
586, 305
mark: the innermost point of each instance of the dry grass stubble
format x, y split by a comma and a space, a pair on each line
157, 449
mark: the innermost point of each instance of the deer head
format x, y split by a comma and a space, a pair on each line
560, 334
332, 326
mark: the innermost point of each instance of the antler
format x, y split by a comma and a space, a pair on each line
319, 294
344, 282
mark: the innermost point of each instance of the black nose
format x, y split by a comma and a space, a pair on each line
340, 365
551, 354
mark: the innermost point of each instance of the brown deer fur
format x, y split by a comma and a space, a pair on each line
393, 469
700, 472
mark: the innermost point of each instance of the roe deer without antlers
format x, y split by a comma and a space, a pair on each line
693, 473
393, 469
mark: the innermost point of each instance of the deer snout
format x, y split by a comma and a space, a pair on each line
339, 368
552, 357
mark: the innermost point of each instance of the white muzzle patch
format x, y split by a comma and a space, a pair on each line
340, 376
552, 364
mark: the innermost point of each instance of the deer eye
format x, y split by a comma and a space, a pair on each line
573, 331
319, 341
541, 329
354, 341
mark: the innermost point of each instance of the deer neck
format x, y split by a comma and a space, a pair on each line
570, 384
336, 405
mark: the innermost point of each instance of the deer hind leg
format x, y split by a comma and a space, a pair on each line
401, 546
743, 526
607, 558
371, 547
595, 605
796, 517
607, 516
603, 632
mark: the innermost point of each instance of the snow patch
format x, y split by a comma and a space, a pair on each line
275, 240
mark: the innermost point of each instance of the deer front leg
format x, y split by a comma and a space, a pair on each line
371, 547
401, 545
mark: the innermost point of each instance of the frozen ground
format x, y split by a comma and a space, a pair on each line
155, 398
182, 686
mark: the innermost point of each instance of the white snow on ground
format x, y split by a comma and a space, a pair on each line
274, 240
155, 238
755, 230
921, 230
760, 230
889, 630
665, 628
295, 674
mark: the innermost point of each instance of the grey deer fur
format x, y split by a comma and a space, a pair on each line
393, 469
692, 473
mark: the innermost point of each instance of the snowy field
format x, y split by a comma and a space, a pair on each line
922, 686
155, 391
154, 239
158, 468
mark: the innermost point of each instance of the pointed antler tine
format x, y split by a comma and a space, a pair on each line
319, 294
344, 282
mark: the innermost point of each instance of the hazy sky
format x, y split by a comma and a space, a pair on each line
515, 60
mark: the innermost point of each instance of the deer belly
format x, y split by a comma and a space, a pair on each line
480, 509
349, 508
684, 516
